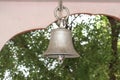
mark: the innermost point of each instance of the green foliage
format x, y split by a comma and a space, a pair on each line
21, 57
94, 45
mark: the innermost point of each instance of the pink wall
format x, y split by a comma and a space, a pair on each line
17, 17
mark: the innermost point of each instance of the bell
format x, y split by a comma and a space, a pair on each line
61, 44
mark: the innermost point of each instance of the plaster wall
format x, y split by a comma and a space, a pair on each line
17, 17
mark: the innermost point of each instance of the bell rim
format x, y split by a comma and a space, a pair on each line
55, 55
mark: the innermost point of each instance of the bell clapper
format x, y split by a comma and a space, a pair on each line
60, 59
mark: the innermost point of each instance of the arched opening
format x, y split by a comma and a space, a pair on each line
96, 39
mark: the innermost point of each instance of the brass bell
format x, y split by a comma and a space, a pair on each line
61, 44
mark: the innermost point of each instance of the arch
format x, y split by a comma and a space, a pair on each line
17, 17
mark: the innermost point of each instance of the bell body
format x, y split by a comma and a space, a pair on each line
61, 44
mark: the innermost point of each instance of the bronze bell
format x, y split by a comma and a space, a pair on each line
61, 44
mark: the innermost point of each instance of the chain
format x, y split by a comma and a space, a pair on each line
58, 13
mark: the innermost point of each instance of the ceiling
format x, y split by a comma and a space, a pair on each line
63, 0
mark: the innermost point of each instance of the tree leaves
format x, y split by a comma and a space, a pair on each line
22, 55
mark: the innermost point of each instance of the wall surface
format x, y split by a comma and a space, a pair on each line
20, 16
